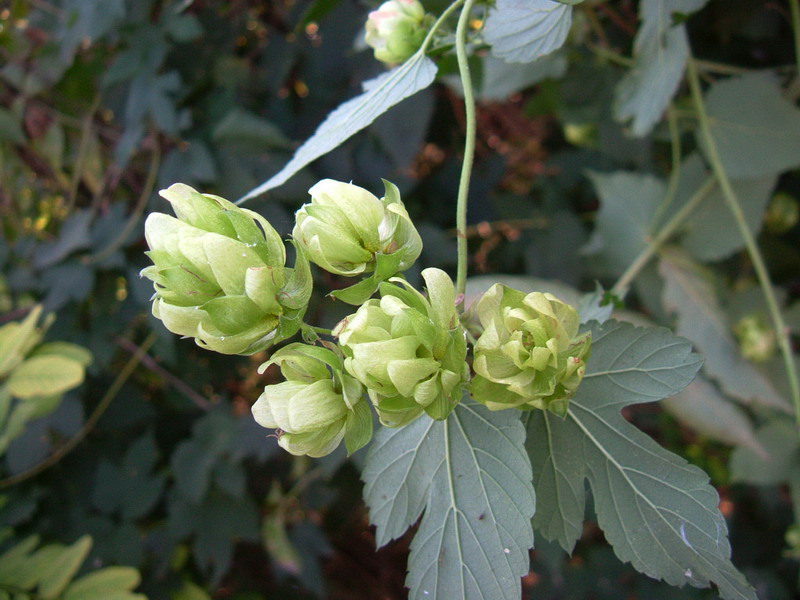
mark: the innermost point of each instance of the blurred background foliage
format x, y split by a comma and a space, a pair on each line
155, 455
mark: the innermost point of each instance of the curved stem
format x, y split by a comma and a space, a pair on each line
320, 330
438, 23
469, 146
728, 193
666, 232
101, 407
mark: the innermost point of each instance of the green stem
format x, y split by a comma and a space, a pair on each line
672, 225
435, 27
794, 5
728, 193
101, 407
320, 330
469, 146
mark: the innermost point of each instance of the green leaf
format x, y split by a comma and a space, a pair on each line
658, 512
16, 339
61, 570
45, 376
379, 95
191, 591
471, 477
76, 353
106, 583
756, 129
628, 202
702, 408
15, 558
689, 292
660, 53
317, 10
524, 30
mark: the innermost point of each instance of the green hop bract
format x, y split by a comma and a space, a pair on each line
317, 406
530, 354
346, 230
219, 274
396, 30
408, 350
757, 339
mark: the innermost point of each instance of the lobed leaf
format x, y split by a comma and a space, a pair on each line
658, 512
471, 476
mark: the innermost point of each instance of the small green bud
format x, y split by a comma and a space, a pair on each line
783, 213
317, 406
396, 30
408, 350
757, 340
344, 228
530, 354
219, 274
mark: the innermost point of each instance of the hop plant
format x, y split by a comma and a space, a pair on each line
530, 354
757, 339
408, 350
317, 406
396, 30
345, 228
219, 275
